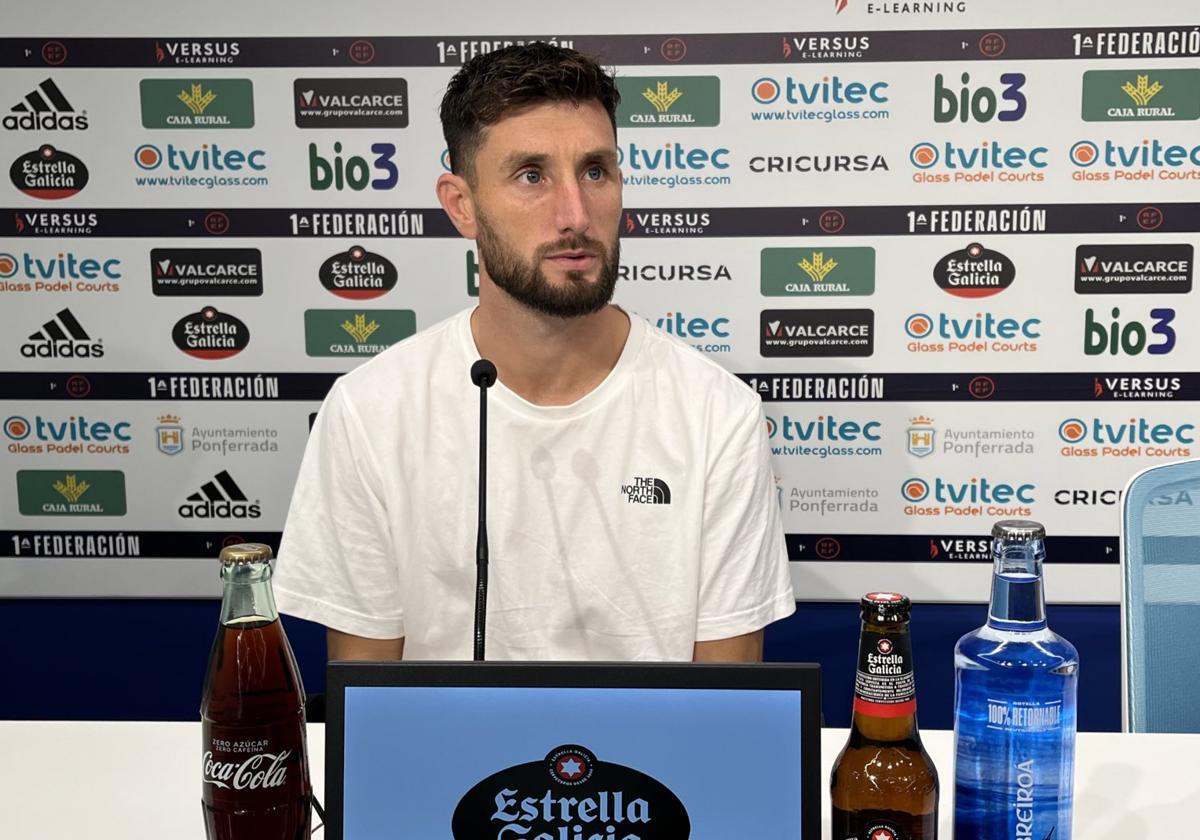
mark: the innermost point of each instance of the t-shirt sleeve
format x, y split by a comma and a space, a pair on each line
336, 563
745, 583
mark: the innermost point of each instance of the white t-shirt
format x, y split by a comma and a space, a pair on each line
626, 526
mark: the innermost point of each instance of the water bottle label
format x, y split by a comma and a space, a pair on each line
1024, 715
884, 685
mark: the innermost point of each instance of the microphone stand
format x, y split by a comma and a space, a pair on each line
483, 374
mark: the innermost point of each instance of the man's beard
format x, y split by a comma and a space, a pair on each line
528, 284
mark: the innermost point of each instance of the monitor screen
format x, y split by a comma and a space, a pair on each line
452, 762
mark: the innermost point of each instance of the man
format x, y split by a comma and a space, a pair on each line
632, 512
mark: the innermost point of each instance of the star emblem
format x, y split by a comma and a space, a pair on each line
885, 646
883, 834
570, 767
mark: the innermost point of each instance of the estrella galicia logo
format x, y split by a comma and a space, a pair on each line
645, 490
566, 793
209, 334
48, 173
358, 274
974, 272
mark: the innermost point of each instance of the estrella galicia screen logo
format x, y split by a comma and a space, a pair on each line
1160, 268
71, 492
979, 103
350, 103
675, 101
571, 794
197, 103
209, 334
811, 272
974, 272
1129, 337
828, 99
816, 332
1141, 95
647, 490
45, 108
48, 173
353, 172
989, 162
358, 274
1147, 160
228, 272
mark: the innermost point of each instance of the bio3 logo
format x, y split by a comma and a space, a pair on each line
1131, 338
353, 171
981, 104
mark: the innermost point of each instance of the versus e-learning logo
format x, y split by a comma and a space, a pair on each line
1148, 160
672, 165
1135, 437
978, 496
982, 333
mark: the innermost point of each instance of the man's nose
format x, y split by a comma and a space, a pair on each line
571, 211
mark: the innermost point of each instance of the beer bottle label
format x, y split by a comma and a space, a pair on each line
884, 686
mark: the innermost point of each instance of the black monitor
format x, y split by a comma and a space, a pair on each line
566, 751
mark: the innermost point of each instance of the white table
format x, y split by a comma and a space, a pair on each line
66, 780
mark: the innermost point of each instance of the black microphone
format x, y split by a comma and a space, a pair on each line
483, 374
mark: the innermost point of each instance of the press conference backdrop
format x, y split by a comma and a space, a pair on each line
950, 244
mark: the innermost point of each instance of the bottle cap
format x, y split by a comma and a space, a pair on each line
1018, 530
885, 605
246, 553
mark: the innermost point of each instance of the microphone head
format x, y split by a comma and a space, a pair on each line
483, 373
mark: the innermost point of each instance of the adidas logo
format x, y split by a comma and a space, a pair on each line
645, 490
63, 337
220, 498
45, 109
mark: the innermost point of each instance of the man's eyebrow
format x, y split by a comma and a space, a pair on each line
520, 159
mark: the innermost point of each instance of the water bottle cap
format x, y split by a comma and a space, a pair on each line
246, 553
885, 605
1018, 530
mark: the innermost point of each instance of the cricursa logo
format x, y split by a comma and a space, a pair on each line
197, 103
989, 162
350, 103
231, 272
45, 108
671, 101
1135, 437
220, 498
75, 435
983, 333
64, 272
207, 51
806, 164
207, 166
693, 327
983, 103
823, 436
1148, 160
48, 173
353, 172
816, 332
1130, 338
812, 272
62, 337
673, 272
571, 793
209, 334
974, 272
646, 490
358, 274
1160, 268
673, 164
827, 99
978, 496
1140, 95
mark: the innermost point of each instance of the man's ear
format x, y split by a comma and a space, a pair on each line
455, 196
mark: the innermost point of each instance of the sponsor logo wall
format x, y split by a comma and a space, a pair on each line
953, 256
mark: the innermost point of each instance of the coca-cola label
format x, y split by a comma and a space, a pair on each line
884, 685
264, 765
261, 770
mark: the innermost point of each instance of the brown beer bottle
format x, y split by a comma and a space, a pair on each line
255, 756
884, 785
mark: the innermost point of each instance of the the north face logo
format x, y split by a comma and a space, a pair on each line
647, 491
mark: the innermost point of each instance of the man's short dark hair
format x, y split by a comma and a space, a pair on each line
491, 85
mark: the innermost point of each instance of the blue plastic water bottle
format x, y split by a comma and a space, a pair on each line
1014, 705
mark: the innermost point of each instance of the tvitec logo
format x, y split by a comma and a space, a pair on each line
978, 496
984, 333
76, 435
678, 324
1131, 338
822, 436
211, 161
1134, 438
65, 272
828, 99
1148, 160
353, 172
673, 164
989, 162
981, 104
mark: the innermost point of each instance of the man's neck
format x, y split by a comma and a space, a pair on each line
547, 360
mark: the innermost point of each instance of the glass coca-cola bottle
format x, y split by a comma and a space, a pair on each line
255, 756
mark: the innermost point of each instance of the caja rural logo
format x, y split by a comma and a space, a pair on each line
571, 794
